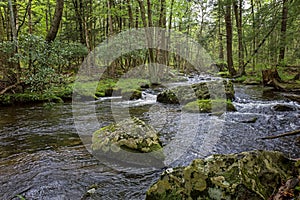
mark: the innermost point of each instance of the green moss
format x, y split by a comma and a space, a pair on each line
131, 83
131, 94
225, 74
207, 106
109, 87
285, 73
128, 134
250, 79
251, 175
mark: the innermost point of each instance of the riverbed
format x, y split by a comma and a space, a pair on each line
43, 157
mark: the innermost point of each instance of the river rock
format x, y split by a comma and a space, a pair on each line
248, 175
131, 134
129, 140
283, 108
131, 94
207, 106
188, 93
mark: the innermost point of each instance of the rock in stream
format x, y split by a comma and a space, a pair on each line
130, 141
249, 175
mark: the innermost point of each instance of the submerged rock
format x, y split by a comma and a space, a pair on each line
283, 108
185, 94
131, 141
247, 175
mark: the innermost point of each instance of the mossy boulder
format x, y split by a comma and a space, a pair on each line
188, 93
207, 106
248, 175
131, 94
129, 140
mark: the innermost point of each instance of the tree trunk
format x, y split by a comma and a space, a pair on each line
221, 49
79, 14
130, 24
150, 35
29, 17
161, 54
30, 32
254, 34
56, 21
151, 67
1, 26
15, 37
13, 23
229, 38
271, 78
238, 18
110, 22
137, 18
283, 31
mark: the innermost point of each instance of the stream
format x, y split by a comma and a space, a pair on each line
42, 157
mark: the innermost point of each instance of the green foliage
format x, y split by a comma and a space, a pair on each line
57, 54
42, 66
41, 80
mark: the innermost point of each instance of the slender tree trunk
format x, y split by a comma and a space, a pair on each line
130, 23
14, 36
47, 20
30, 32
56, 21
229, 38
29, 17
154, 79
79, 15
110, 22
238, 18
169, 31
161, 54
13, 23
137, 17
254, 34
16, 14
86, 31
1, 26
283, 31
221, 49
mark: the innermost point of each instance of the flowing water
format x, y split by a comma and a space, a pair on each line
42, 156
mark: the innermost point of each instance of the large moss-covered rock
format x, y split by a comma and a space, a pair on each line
128, 140
207, 106
249, 175
188, 93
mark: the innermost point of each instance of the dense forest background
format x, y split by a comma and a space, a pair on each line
43, 42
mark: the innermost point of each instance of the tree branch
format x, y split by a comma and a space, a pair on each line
9, 87
282, 135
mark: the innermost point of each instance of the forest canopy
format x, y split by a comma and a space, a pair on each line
43, 43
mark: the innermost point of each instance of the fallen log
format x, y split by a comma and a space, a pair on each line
296, 132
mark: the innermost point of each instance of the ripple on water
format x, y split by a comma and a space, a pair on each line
42, 157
